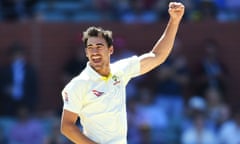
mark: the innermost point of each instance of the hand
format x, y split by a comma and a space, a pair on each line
176, 11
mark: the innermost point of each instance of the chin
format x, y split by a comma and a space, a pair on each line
96, 66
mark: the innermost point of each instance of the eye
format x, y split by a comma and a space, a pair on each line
99, 47
90, 47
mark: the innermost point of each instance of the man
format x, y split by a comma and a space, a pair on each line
97, 95
20, 81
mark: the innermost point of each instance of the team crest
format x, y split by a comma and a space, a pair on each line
115, 79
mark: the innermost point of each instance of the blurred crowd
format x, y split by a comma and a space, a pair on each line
126, 11
174, 104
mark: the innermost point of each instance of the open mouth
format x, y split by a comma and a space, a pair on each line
96, 59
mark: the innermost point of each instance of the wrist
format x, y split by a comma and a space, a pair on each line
174, 21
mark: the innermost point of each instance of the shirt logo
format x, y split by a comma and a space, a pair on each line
115, 79
97, 93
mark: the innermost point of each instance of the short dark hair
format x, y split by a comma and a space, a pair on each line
96, 32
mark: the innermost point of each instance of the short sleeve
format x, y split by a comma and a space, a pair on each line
129, 67
72, 98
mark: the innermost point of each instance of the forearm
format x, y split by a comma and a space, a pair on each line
73, 133
165, 44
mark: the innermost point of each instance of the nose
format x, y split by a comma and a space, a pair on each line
94, 50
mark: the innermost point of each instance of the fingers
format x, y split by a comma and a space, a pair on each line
176, 11
176, 5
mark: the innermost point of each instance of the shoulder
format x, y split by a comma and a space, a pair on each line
125, 62
79, 81
75, 88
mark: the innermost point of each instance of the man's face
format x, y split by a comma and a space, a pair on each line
98, 54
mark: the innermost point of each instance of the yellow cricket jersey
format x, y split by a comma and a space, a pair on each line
100, 101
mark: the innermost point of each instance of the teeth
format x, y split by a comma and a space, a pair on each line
95, 57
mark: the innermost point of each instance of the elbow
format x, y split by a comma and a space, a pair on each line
63, 129
66, 128
161, 59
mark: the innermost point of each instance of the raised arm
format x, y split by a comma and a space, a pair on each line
164, 45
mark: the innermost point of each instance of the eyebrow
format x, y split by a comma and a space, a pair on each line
98, 44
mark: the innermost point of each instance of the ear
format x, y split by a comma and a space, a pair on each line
111, 50
86, 54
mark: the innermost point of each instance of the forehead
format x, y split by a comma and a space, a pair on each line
96, 40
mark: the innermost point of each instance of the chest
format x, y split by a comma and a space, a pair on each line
104, 96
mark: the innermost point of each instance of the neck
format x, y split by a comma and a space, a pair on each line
105, 72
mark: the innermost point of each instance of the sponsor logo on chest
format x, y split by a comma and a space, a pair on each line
115, 81
97, 93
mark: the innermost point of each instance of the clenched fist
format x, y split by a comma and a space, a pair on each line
176, 11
